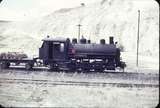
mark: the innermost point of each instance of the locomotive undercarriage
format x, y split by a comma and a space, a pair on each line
83, 65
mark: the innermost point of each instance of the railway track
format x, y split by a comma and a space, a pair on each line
147, 77
74, 83
44, 69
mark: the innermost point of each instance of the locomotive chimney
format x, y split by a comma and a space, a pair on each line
89, 41
102, 41
111, 40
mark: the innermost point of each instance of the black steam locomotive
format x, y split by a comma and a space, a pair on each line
62, 54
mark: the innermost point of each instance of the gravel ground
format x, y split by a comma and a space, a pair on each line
46, 95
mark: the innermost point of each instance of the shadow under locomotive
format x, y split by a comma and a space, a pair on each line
60, 54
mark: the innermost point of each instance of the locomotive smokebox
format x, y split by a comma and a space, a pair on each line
102, 41
111, 40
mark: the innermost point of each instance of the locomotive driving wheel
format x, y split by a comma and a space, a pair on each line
85, 70
28, 66
53, 67
72, 67
111, 68
99, 70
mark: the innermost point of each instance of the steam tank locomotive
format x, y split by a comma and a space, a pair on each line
62, 54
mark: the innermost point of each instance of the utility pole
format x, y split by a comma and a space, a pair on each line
138, 36
79, 31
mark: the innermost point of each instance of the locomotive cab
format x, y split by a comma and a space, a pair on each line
53, 50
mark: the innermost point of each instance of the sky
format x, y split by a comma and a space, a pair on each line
28, 9
18, 10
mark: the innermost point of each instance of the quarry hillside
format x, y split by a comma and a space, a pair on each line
118, 18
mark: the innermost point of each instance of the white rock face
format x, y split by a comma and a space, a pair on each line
118, 18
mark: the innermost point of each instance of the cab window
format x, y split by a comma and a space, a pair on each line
61, 47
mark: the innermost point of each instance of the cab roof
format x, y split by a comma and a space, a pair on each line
56, 39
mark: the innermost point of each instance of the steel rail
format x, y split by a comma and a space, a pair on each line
76, 83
